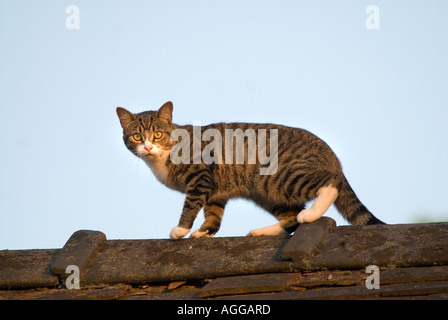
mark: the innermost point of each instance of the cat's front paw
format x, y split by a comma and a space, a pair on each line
178, 232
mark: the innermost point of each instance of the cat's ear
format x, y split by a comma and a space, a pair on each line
125, 116
166, 112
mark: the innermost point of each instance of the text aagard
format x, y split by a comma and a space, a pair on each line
246, 309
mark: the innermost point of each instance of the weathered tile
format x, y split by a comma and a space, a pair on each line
391, 246
248, 284
175, 284
306, 241
105, 293
160, 260
27, 268
331, 278
78, 251
418, 274
414, 289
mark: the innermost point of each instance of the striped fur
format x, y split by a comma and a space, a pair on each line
305, 164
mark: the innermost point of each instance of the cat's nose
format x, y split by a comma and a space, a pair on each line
148, 147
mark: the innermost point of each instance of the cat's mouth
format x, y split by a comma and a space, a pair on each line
149, 155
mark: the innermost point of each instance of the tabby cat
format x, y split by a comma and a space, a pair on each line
306, 169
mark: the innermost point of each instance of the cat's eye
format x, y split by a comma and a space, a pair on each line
158, 134
137, 137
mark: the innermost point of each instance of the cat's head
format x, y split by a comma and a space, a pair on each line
147, 134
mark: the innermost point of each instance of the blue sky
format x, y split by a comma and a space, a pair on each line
379, 98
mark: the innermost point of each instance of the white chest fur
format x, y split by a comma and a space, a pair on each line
158, 168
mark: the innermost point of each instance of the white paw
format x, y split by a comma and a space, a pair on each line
273, 230
256, 233
253, 233
178, 232
308, 216
201, 234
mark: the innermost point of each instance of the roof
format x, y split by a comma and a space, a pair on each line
319, 261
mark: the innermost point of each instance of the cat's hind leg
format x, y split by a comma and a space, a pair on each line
288, 220
273, 230
287, 224
213, 213
325, 198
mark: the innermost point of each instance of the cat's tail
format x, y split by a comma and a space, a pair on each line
351, 207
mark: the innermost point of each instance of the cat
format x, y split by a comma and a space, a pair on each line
306, 169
